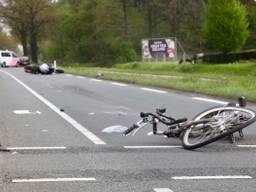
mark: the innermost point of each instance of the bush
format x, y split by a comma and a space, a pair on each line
225, 25
123, 52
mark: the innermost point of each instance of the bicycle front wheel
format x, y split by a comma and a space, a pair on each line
223, 121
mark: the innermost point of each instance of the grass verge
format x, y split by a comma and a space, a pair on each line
225, 80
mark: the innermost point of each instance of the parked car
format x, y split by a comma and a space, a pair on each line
10, 59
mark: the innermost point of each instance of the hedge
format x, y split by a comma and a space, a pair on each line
229, 58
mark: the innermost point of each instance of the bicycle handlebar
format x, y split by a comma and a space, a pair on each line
172, 121
161, 112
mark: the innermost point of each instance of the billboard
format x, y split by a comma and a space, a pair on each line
162, 48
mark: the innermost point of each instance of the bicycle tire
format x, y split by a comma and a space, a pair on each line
214, 112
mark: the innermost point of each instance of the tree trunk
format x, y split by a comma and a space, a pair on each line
150, 19
33, 47
125, 18
24, 43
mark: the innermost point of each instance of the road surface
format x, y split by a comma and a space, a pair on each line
52, 126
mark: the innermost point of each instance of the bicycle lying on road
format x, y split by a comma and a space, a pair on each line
207, 127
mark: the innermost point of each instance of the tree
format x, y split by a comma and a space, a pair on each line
11, 16
28, 18
225, 25
7, 42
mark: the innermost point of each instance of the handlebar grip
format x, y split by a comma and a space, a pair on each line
130, 129
143, 115
162, 110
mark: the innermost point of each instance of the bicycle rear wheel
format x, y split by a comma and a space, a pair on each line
224, 121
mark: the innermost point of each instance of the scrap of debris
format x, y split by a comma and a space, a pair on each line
99, 75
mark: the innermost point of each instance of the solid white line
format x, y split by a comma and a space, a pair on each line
162, 190
210, 100
52, 180
96, 80
96, 140
248, 146
80, 77
119, 84
212, 177
69, 75
154, 90
152, 147
34, 148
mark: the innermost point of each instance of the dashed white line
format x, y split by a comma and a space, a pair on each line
162, 190
212, 177
96, 80
210, 100
25, 112
153, 90
80, 77
35, 148
247, 146
119, 84
52, 180
153, 147
96, 140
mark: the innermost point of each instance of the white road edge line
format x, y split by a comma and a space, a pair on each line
96, 140
52, 180
210, 100
152, 147
34, 148
154, 90
119, 84
247, 146
212, 177
162, 190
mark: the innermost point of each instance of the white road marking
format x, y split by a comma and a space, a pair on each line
114, 112
35, 148
96, 80
210, 100
153, 147
26, 112
212, 177
119, 84
162, 190
52, 180
80, 77
96, 140
69, 75
247, 146
150, 133
154, 90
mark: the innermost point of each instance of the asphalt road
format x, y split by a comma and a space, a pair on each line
52, 126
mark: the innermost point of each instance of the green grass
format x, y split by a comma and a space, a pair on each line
225, 69
225, 80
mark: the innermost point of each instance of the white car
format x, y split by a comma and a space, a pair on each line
8, 59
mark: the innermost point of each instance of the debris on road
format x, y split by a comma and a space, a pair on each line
115, 129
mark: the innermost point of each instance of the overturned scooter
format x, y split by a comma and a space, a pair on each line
44, 69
